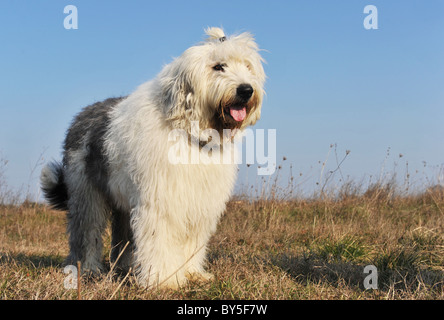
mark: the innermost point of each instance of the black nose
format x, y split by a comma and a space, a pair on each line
244, 92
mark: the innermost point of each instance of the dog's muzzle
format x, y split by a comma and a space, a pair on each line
238, 110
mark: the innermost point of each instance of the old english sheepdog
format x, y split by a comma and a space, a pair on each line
117, 163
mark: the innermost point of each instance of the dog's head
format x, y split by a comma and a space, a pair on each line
218, 83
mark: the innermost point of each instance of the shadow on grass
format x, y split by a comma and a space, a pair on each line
409, 281
31, 260
41, 262
312, 269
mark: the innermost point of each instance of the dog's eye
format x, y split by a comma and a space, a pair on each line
219, 67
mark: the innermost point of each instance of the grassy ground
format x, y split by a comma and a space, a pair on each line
266, 249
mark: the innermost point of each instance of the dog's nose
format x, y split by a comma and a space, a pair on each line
244, 92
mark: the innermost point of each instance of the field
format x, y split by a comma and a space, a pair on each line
269, 248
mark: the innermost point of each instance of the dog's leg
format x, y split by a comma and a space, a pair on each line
196, 249
158, 253
87, 216
122, 241
195, 268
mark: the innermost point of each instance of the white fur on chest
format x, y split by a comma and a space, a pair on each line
138, 148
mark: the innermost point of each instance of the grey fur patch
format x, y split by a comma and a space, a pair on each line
89, 203
88, 129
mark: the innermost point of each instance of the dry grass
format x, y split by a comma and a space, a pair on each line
281, 245
265, 249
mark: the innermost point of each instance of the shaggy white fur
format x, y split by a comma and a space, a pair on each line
124, 171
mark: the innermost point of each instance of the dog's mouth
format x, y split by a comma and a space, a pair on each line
231, 115
236, 113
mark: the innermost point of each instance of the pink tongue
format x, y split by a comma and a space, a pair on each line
238, 114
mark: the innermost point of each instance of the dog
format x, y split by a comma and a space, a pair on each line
117, 163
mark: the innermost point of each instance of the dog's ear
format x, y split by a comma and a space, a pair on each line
177, 92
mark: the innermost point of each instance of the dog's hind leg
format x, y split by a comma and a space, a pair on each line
87, 217
122, 241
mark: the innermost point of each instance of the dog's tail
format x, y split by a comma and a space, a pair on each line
52, 180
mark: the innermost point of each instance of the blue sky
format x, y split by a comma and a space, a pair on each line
330, 81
